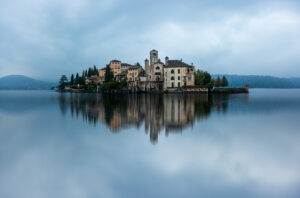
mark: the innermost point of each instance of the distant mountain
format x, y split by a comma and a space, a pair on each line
255, 81
20, 82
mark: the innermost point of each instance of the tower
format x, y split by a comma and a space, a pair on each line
147, 68
153, 57
166, 60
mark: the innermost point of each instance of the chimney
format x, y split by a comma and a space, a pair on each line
192, 64
166, 60
181, 60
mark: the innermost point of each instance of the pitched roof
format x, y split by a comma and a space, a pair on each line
134, 67
126, 65
115, 61
123, 73
177, 63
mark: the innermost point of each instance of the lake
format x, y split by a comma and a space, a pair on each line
142, 145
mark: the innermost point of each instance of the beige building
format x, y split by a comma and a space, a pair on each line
133, 75
125, 66
115, 67
178, 74
101, 75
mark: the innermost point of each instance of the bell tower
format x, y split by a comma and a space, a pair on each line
147, 68
153, 57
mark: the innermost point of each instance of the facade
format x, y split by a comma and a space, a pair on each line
121, 75
101, 75
115, 67
125, 66
178, 74
171, 74
133, 75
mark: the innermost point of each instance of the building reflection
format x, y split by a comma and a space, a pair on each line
170, 112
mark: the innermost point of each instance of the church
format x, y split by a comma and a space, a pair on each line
172, 74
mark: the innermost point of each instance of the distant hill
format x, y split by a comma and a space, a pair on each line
255, 81
20, 82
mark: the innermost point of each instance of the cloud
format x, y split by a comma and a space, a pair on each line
47, 38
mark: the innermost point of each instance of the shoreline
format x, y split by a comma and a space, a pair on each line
168, 91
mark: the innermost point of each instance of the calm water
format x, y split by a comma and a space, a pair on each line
81, 145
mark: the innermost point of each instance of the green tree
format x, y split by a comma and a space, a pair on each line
89, 72
224, 81
63, 81
109, 76
207, 78
72, 80
83, 78
202, 77
95, 70
199, 77
77, 79
212, 83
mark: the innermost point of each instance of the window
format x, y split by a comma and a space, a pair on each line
178, 71
172, 78
179, 84
172, 71
157, 68
178, 77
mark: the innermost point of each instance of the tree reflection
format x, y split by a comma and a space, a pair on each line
172, 112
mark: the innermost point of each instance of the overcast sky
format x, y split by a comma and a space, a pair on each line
46, 38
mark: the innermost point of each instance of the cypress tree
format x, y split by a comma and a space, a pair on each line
108, 74
224, 81
72, 80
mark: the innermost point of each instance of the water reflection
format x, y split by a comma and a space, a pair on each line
172, 112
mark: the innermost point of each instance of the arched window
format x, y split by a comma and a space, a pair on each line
172, 78
157, 68
172, 71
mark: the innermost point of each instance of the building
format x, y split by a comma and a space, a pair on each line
115, 67
125, 66
133, 75
168, 75
158, 75
154, 71
178, 74
121, 75
101, 75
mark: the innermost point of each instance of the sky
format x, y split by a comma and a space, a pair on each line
45, 39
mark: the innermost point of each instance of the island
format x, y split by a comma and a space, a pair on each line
170, 76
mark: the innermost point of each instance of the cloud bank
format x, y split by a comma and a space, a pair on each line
44, 39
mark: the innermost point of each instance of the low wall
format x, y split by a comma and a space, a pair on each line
196, 90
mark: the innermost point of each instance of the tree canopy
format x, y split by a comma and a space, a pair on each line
224, 81
202, 77
109, 76
63, 81
72, 80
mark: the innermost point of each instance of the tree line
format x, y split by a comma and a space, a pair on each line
203, 78
78, 79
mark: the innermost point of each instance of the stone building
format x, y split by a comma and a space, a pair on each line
178, 74
101, 74
168, 75
125, 66
172, 74
133, 75
154, 71
115, 67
